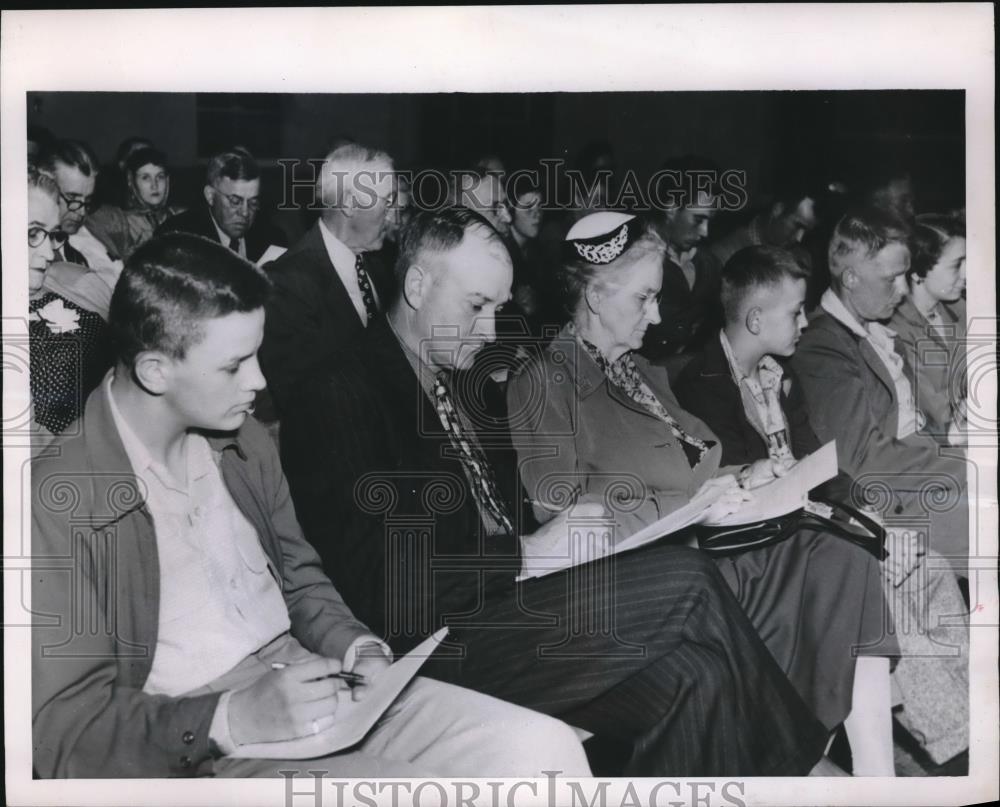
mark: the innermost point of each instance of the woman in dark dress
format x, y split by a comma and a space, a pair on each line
67, 342
592, 415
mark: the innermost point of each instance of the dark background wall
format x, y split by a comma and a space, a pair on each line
761, 133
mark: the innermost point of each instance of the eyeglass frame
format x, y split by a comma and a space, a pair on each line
72, 205
56, 237
253, 203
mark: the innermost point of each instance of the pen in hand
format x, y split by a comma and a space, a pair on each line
354, 679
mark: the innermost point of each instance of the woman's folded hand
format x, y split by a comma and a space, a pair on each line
764, 471
731, 499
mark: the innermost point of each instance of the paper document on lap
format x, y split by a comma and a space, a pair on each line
272, 253
354, 719
787, 493
781, 496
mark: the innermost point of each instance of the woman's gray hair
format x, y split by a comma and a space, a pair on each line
574, 277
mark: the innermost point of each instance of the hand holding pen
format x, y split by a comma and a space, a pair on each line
352, 679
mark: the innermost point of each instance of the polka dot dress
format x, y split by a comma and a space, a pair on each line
65, 365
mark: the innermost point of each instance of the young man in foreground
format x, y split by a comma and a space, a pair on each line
179, 612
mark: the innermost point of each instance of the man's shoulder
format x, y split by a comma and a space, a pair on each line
825, 329
303, 261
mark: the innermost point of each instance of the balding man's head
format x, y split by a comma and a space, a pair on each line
454, 275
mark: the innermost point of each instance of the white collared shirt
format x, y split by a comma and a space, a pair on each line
881, 339
225, 239
96, 254
344, 261
219, 599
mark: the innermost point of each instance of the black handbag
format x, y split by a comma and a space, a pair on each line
722, 541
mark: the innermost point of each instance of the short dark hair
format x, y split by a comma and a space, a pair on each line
438, 231
236, 164
71, 153
147, 155
930, 235
171, 285
866, 232
756, 267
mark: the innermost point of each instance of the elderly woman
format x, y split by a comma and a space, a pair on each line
930, 323
123, 229
590, 414
68, 351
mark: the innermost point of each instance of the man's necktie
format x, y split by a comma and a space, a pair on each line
234, 245
483, 482
367, 295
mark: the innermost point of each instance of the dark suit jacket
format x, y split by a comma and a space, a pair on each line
689, 315
385, 501
94, 546
311, 321
706, 388
851, 398
198, 220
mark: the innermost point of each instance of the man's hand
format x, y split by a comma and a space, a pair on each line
370, 661
293, 702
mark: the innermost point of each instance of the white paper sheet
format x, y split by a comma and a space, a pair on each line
272, 253
354, 718
789, 492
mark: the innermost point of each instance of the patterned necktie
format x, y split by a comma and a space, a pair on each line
483, 482
367, 295
625, 375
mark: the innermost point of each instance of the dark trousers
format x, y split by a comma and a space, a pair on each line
649, 647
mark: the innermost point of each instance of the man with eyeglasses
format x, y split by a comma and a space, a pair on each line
230, 212
74, 168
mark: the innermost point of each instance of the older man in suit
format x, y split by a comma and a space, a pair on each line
859, 390
426, 535
328, 289
859, 387
232, 204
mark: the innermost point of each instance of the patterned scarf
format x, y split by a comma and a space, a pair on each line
626, 376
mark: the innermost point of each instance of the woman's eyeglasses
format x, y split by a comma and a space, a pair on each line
72, 205
37, 236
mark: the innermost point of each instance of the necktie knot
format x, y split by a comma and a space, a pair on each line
234, 245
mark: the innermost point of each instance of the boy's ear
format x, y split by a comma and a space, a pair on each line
152, 370
753, 320
849, 278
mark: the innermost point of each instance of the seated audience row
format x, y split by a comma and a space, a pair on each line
644, 369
